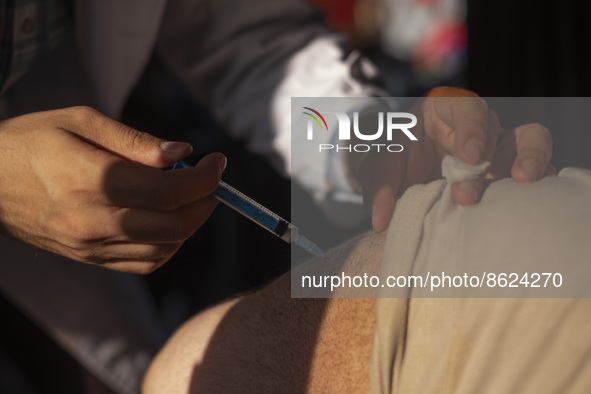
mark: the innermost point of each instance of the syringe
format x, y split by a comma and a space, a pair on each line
264, 217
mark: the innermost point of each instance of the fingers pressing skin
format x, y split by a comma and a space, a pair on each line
475, 132
456, 122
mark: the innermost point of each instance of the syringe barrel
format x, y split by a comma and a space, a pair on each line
246, 206
253, 210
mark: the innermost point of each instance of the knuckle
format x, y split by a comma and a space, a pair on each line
86, 119
133, 140
80, 233
85, 114
480, 125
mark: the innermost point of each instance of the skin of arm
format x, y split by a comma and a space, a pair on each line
270, 342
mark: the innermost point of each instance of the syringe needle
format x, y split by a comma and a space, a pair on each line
308, 245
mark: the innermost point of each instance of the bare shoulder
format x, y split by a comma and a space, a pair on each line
270, 342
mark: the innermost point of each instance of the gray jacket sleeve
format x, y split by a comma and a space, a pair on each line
232, 55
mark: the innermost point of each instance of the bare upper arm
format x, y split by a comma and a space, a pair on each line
270, 342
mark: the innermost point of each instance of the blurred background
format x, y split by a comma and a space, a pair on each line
503, 48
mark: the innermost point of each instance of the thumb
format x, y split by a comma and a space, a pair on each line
121, 140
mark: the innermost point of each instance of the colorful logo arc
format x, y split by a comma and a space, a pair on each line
315, 118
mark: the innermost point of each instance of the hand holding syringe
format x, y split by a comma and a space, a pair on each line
259, 214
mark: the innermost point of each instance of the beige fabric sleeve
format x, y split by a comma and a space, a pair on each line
468, 344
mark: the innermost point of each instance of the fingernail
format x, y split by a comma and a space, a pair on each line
530, 168
222, 161
176, 147
469, 191
473, 150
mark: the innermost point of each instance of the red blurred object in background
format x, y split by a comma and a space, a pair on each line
340, 14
